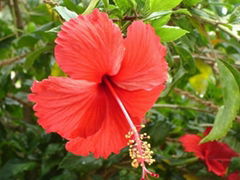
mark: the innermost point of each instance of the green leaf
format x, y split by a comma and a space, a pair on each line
191, 2
54, 30
81, 164
187, 60
182, 11
178, 162
177, 76
235, 164
233, 142
65, 13
233, 70
159, 5
228, 112
66, 175
73, 6
156, 23
28, 40
157, 15
233, 1
158, 19
3, 132
160, 14
34, 55
158, 130
125, 5
15, 166
45, 27
106, 3
170, 33
48, 160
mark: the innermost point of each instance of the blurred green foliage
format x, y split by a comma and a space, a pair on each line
202, 37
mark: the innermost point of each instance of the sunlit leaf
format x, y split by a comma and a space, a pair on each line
160, 21
54, 30
159, 14
200, 81
65, 13
56, 71
159, 5
182, 11
170, 33
125, 5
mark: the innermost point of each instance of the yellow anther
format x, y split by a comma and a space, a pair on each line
139, 150
135, 163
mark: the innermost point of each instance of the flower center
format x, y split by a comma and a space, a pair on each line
139, 149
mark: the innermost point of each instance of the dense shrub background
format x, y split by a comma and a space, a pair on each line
197, 33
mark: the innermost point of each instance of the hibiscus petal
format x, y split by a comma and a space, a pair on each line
138, 102
89, 46
143, 66
109, 139
190, 142
234, 176
218, 150
217, 156
69, 107
216, 167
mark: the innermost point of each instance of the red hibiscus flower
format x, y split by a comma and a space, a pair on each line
216, 155
112, 83
234, 176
